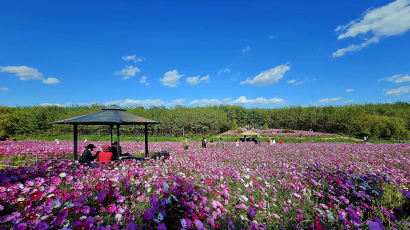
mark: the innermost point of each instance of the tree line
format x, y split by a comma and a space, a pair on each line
373, 120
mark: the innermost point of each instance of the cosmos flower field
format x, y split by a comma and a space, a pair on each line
289, 186
280, 133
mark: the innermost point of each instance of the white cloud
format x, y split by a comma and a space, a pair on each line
222, 71
398, 91
133, 58
197, 79
271, 37
227, 99
143, 80
51, 104
327, 100
128, 72
205, 101
204, 78
399, 78
26, 73
246, 50
349, 90
268, 77
389, 20
171, 78
176, 102
23, 72
295, 82
51, 80
136, 102
259, 100
354, 47
193, 80
4, 88
348, 101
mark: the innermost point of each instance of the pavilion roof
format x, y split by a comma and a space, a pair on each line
108, 116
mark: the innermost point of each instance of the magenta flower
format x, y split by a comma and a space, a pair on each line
55, 180
111, 208
35, 195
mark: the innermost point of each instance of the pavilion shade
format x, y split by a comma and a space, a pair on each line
108, 117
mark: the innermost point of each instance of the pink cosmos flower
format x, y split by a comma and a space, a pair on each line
55, 180
111, 208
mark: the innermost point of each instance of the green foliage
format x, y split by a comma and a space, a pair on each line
373, 120
392, 197
265, 126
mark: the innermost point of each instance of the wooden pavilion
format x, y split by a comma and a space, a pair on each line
113, 115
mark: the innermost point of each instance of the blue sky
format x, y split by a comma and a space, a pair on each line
195, 53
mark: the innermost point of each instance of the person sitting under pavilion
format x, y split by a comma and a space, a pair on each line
106, 155
87, 156
119, 153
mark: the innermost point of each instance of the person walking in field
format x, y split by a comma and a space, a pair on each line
272, 141
220, 144
186, 144
204, 142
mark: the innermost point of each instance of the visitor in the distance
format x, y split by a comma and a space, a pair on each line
204, 142
186, 143
87, 157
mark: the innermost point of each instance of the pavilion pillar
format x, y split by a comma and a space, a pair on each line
111, 134
118, 141
146, 140
75, 144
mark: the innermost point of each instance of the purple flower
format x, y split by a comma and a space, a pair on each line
406, 193
374, 225
42, 226
354, 217
148, 214
131, 226
85, 210
162, 212
163, 202
161, 226
199, 225
154, 202
252, 213
62, 215
21, 226
101, 195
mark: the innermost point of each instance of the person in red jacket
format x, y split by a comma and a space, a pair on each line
105, 155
